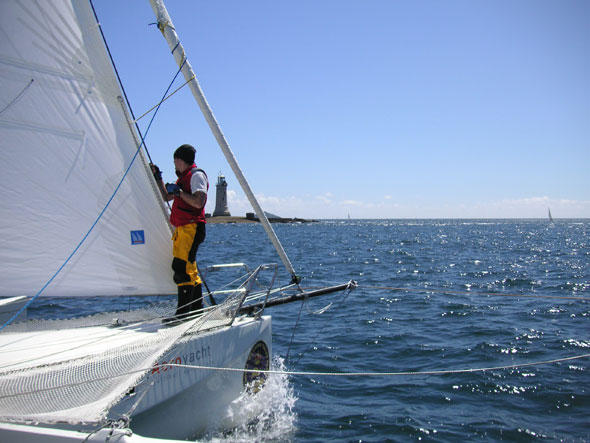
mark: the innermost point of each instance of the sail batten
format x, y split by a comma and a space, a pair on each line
35, 68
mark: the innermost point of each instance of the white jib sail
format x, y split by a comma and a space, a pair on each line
65, 145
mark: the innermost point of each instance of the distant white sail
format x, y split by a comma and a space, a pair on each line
65, 145
550, 218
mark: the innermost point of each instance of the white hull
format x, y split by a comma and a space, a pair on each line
184, 402
10, 433
179, 402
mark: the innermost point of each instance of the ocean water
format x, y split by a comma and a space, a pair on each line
468, 294
433, 295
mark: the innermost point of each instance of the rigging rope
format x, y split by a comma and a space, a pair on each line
164, 99
106, 45
445, 291
311, 373
314, 339
387, 374
294, 329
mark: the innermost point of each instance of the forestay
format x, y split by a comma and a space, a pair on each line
65, 145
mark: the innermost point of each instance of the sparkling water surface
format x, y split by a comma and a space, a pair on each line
433, 295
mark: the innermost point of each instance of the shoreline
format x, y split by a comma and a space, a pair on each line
232, 219
228, 219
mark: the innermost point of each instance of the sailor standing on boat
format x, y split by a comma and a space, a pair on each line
188, 217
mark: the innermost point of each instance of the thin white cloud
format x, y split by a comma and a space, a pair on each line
325, 198
351, 203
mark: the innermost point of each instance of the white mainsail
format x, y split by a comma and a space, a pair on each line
65, 145
73, 180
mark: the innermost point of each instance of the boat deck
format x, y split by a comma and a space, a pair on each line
26, 349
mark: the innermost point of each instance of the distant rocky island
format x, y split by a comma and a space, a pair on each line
252, 218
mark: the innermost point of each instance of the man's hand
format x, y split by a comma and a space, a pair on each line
158, 176
156, 171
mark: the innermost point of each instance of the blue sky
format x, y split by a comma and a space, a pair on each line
377, 109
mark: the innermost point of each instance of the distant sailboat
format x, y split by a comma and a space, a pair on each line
550, 218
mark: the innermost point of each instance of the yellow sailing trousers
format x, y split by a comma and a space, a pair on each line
185, 242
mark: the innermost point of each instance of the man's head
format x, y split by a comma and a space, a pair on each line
184, 157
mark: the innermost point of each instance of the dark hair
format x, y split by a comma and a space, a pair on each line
186, 153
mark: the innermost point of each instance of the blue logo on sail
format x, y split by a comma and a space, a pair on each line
137, 237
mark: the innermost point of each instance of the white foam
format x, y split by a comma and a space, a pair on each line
266, 415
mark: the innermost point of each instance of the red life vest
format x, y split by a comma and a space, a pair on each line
182, 213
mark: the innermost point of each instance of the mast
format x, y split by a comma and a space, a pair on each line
167, 28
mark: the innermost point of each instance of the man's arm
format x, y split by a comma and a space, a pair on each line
199, 188
197, 199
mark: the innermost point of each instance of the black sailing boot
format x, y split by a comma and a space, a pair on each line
196, 300
182, 310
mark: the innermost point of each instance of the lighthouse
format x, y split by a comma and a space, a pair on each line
221, 198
